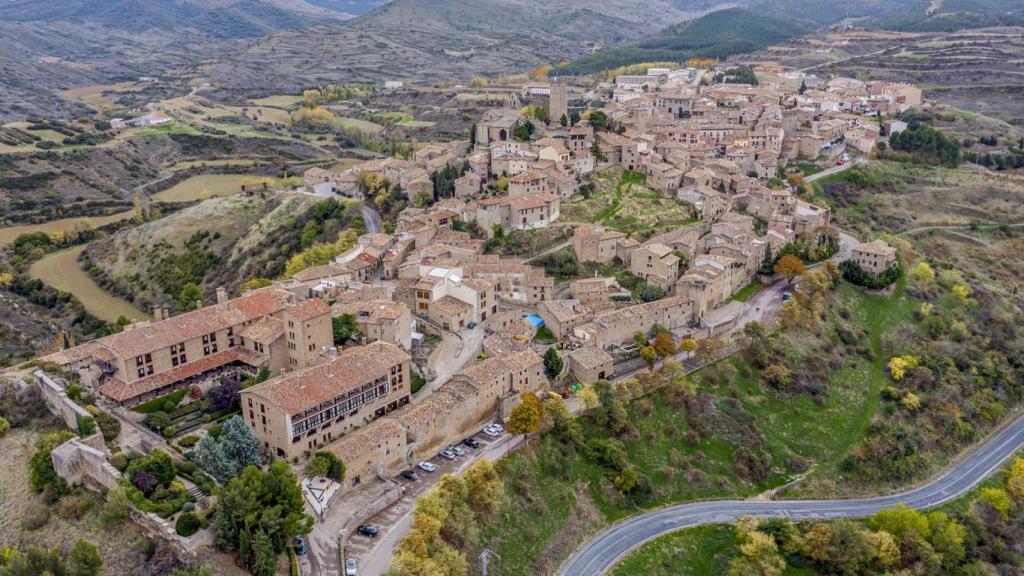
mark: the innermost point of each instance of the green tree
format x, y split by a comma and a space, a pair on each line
345, 328
553, 363
32, 561
264, 558
759, 556
158, 463
649, 356
225, 456
899, 520
598, 119
485, 490
563, 120
189, 296
84, 560
317, 467
187, 524
42, 476
116, 508
561, 421
261, 501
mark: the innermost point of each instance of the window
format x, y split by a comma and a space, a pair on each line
138, 360
174, 360
142, 372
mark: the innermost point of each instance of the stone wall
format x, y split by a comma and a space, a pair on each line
58, 401
84, 461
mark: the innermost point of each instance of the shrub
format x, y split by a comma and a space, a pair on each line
119, 461
73, 507
35, 518
187, 524
144, 481
169, 431
5, 426
108, 425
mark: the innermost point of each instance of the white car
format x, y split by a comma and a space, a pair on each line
447, 454
427, 467
350, 567
458, 451
491, 432
496, 426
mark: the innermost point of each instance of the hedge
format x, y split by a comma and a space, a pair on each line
157, 404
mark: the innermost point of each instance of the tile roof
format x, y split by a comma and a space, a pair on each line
308, 309
296, 391
121, 391
155, 336
590, 356
265, 330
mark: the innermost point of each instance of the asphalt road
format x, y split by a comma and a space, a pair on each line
835, 170
603, 551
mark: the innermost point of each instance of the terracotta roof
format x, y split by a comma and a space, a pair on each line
265, 330
373, 309
297, 391
121, 391
309, 309
155, 336
318, 272
452, 306
356, 444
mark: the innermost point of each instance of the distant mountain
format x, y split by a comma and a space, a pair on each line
747, 28
436, 40
951, 15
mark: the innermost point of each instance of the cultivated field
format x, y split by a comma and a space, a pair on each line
7, 235
203, 187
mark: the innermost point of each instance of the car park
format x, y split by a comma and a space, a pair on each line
410, 476
447, 454
427, 467
368, 530
471, 442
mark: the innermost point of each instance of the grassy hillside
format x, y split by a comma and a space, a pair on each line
219, 242
951, 15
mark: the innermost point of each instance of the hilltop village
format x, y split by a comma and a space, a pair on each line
430, 327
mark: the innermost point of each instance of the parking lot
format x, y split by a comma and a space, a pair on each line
361, 548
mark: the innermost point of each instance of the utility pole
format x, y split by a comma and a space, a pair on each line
485, 556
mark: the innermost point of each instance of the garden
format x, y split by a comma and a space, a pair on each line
188, 409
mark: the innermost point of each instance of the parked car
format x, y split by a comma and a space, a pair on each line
458, 451
471, 325
410, 476
447, 454
427, 467
496, 426
491, 433
299, 543
471, 442
786, 296
368, 530
350, 567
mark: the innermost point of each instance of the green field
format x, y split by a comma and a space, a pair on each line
747, 292
202, 187
62, 271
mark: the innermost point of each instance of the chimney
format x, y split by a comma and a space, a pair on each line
222, 295
165, 312
157, 313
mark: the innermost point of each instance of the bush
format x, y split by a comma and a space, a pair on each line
73, 507
854, 274
119, 461
109, 426
5, 426
187, 524
35, 518
188, 441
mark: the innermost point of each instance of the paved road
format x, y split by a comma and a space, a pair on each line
835, 170
372, 219
603, 551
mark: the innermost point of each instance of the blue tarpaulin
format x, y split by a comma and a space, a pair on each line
534, 320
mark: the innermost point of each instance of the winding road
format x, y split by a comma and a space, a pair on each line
605, 550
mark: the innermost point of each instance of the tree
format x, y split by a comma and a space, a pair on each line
189, 296
1015, 479
998, 499
317, 467
553, 363
525, 418
225, 456
564, 120
42, 476
922, 273
588, 398
664, 344
597, 119
485, 490
145, 482
261, 501
225, 396
759, 556
115, 510
345, 328
561, 421
574, 117
599, 155
264, 558
886, 550
947, 538
778, 375
157, 463
899, 520
649, 355
709, 349
84, 560
789, 266
688, 345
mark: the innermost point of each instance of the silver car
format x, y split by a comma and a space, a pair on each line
350, 567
